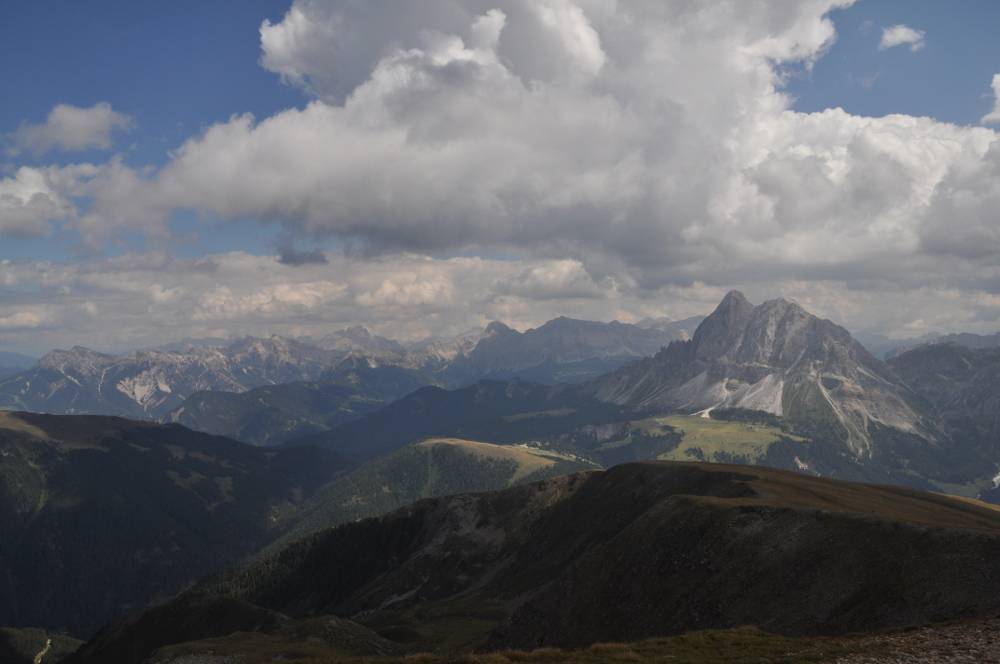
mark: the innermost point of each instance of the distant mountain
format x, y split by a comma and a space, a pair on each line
16, 360
494, 411
274, 414
641, 550
831, 408
101, 515
963, 338
778, 358
881, 346
963, 384
150, 384
562, 350
358, 339
179, 346
12, 364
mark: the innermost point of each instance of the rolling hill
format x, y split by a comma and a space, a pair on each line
639, 551
430, 468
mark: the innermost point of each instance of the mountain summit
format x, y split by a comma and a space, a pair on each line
774, 357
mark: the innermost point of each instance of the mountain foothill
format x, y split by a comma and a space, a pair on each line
576, 483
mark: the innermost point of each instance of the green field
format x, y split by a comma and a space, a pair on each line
528, 460
705, 439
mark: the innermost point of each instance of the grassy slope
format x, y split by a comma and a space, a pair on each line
737, 646
435, 467
640, 548
713, 440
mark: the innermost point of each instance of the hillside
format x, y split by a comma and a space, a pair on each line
640, 551
194, 616
100, 515
430, 468
486, 411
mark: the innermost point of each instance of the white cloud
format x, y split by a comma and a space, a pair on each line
901, 34
636, 153
994, 116
70, 128
28, 200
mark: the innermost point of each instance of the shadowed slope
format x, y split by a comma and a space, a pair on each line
642, 550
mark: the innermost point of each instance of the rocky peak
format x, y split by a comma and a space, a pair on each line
721, 333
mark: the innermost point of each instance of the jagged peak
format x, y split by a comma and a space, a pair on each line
720, 333
733, 298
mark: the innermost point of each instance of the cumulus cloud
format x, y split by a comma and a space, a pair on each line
994, 116
70, 128
901, 34
30, 199
633, 152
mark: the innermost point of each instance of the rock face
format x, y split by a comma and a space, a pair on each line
148, 384
775, 357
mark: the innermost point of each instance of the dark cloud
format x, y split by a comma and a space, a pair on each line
290, 256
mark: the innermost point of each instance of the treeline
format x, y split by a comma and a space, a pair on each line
748, 416
642, 446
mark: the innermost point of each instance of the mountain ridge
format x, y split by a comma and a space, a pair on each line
775, 357
150, 384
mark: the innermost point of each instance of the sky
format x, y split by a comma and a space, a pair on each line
174, 170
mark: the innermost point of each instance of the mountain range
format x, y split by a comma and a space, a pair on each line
151, 384
136, 511
833, 408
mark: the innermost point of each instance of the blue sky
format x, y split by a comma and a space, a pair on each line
512, 160
948, 78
